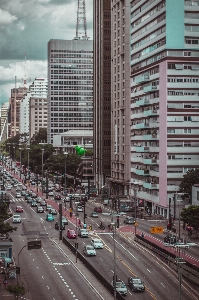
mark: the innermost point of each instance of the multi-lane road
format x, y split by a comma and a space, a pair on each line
52, 272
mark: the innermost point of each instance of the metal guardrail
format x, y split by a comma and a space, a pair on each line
188, 271
97, 274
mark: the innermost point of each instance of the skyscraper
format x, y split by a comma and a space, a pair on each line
164, 98
70, 86
102, 91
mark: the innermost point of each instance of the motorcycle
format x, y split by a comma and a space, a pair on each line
102, 227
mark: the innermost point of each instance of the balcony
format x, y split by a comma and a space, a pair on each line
150, 112
150, 88
150, 137
142, 172
150, 185
142, 149
143, 78
142, 125
150, 161
142, 102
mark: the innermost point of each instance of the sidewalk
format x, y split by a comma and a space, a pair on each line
4, 294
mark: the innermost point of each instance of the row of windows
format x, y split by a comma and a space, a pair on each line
72, 77
192, 15
148, 26
70, 55
142, 7
69, 71
149, 37
192, 41
183, 66
71, 51
149, 49
192, 28
72, 124
183, 93
191, 2
149, 14
181, 79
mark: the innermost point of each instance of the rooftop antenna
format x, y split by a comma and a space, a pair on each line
81, 26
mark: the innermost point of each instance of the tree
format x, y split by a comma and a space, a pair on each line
5, 227
17, 290
39, 137
190, 216
189, 179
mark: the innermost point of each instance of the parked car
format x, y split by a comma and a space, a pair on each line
18, 195
94, 214
129, 220
16, 219
19, 209
82, 232
136, 284
71, 234
120, 287
40, 209
98, 209
89, 250
50, 217
57, 197
97, 243
33, 204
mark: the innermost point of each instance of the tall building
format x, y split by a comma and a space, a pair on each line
4, 121
70, 86
120, 98
102, 91
38, 109
15, 99
164, 98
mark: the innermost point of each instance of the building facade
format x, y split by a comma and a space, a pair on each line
120, 98
70, 86
102, 91
164, 98
38, 109
15, 99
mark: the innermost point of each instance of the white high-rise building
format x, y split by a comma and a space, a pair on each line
70, 86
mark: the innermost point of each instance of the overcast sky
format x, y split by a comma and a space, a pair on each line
26, 26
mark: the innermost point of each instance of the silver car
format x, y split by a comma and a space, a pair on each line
16, 219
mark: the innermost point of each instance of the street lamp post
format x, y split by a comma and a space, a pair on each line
114, 266
179, 201
135, 200
20, 162
42, 169
28, 163
65, 153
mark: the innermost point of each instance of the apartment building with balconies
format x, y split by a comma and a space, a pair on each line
164, 98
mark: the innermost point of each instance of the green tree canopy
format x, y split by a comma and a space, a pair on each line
5, 227
39, 137
56, 163
190, 216
189, 179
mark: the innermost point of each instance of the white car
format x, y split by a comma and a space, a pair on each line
97, 243
18, 195
50, 193
83, 232
9, 187
79, 208
89, 250
16, 219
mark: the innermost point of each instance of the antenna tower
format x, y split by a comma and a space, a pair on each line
81, 26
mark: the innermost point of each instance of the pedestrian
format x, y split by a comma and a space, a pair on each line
142, 235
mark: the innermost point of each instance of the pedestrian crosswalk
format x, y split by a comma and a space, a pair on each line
17, 200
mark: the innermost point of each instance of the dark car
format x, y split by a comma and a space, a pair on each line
129, 220
29, 199
57, 197
98, 209
170, 239
136, 284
